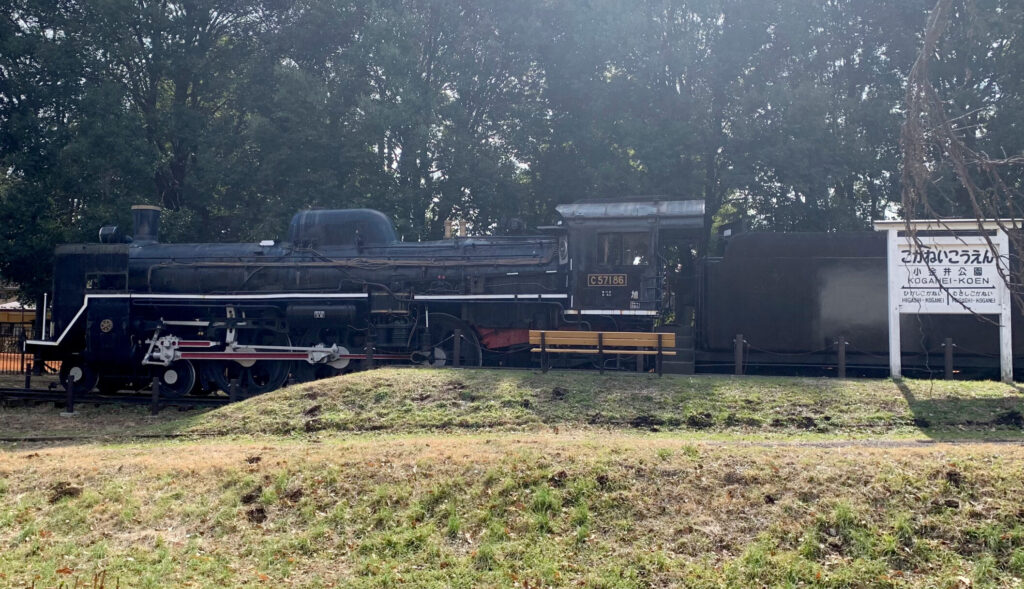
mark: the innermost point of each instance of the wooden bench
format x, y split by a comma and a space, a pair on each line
602, 343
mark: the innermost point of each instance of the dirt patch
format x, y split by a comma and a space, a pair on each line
800, 421
62, 490
257, 515
558, 479
646, 421
558, 393
1011, 417
734, 477
251, 496
253, 459
294, 494
700, 420
733, 420
455, 389
313, 411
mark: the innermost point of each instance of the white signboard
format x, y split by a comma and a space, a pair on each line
947, 267
938, 277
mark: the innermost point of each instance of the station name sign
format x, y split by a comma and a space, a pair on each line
947, 278
948, 266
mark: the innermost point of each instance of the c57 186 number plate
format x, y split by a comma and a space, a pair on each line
606, 280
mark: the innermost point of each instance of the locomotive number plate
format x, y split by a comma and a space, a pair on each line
606, 280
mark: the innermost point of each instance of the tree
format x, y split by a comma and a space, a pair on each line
964, 99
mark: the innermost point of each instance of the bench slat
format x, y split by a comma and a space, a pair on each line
589, 338
606, 351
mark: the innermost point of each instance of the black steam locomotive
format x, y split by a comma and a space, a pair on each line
343, 288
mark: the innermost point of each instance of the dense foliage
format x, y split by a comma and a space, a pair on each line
232, 114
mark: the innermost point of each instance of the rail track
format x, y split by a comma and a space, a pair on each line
155, 401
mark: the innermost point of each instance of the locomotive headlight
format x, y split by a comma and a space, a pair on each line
106, 326
563, 250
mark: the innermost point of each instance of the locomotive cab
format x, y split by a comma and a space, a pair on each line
614, 252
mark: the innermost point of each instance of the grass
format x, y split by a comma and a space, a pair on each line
42, 421
17, 381
401, 400
448, 478
499, 510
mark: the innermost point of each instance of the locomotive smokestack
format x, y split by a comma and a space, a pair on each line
146, 219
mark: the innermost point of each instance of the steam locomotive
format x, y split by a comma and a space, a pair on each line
343, 288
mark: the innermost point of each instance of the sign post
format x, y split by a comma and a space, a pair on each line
948, 267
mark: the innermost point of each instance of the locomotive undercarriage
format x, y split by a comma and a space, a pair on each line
200, 349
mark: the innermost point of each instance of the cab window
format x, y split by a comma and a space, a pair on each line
105, 281
623, 249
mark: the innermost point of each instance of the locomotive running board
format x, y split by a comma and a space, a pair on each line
280, 356
200, 297
610, 312
490, 297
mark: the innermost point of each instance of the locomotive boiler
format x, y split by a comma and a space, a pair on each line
343, 288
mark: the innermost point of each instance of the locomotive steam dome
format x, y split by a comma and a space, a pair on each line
341, 227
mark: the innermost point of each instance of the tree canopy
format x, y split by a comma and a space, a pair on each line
232, 114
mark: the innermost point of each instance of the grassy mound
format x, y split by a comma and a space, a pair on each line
407, 400
596, 509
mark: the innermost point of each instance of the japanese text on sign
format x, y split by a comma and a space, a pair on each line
948, 278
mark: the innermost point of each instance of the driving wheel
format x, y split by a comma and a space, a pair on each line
255, 377
441, 334
77, 376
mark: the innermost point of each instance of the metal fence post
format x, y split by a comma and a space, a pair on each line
24, 361
738, 353
948, 357
842, 355
457, 349
154, 402
69, 403
661, 349
600, 349
369, 352
233, 390
25, 365
544, 351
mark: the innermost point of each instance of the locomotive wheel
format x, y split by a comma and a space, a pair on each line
109, 386
262, 377
254, 378
442, 341
176, 379
77, 376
